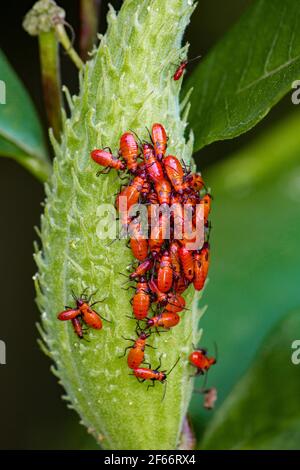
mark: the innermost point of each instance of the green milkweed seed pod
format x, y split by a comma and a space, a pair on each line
127, 84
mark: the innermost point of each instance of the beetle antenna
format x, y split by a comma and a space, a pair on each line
195, 58
150, 136
138, 138
73, 295
173, 366
216, 351
165, 391
205, 380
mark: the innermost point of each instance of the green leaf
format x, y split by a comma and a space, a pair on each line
254, 275
263, 410
21, 135
247, 72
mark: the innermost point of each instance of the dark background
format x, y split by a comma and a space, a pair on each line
33, 416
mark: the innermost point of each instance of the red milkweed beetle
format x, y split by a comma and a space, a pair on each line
158, 235
138, 244
159, 139
175, 172
77, 327
129, 150
194, 181
175, 260
153, 167
165, 273
199, 359
142, 268
163, 191
201, 266
155, 375
107, 159
141, 300
187, 261
132, 192
181, 284
182, 66
137, 350
173, 303
165, 320
83, 310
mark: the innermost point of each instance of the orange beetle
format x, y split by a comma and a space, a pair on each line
161, 297
157, 236
155, 375
165, 320
83, 309
187, 262
177, 212
146, 188
129, 150
137, 350
163, 190
90, 317
138, 242
201, 266
199, 359
159, 139
175, 303
205, 252
142, 269
68, 314
180, 69
77, 327
141, 300
175, 260
152, 197
104, 158
206, 202
165, 273
139, 248
182, 66
194, 181
153, 167
181, 284
175, 172
131, 193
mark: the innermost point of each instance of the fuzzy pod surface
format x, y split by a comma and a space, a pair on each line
127, 84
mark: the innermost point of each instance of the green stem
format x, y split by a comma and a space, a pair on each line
89, 17
50, 69
66, 43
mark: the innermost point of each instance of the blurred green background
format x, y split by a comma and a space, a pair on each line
254, 277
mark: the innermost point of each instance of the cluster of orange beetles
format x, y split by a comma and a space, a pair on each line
165, 266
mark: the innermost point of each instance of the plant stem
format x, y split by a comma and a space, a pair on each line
48, 48
67, 44
89, 17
